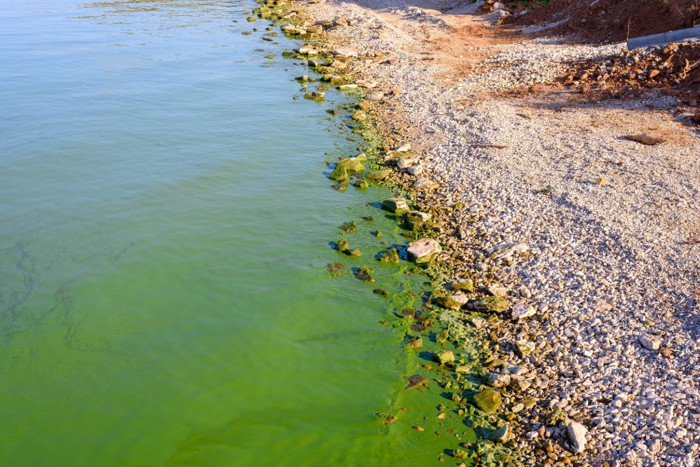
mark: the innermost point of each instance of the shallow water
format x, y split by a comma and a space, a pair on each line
164, 297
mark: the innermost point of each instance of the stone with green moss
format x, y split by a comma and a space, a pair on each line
445, 356
395, 205
348, 227
364, 274
379, 175
464, 286
489, 400
491, 304
390, 255
361, 183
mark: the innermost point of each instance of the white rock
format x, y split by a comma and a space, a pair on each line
421, 251
522, 311
346, 52
577, 436
499, 6
650, 342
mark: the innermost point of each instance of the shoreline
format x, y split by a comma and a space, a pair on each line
533, 212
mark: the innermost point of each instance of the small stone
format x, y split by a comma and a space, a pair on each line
650, 342
497, 291
576, 433
478, 322
500, 435
390, 255
415, 219
396, 205
645, 139
524, 347
423, 250
422, 182
379, 175
488, 400
518, 407
524, 292
522, 311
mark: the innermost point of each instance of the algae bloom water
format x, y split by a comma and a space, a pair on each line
164, 297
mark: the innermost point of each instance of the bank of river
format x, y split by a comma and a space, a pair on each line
164, 296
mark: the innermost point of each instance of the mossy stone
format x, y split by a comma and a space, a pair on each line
390, 255
489, 400
464, 286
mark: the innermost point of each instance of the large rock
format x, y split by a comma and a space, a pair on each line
344, 167
396, 205
453, 302
423, 250
577, 436
488, 400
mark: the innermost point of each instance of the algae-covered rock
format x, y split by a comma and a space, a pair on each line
415, 342
348, 227
356, 253
364, 274
342, 245
390, 255
416, 219
315, 96
491, 304
454, 301
488, 400
445, 356
379, 175
396, 205
464, 286
423, 250
361, 183
346, 166
499, 435
337, 269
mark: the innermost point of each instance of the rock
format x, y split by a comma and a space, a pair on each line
337, 269
348, 227
415, 342
644, 139
403, 148
524, 347
416, 380
422, 182
364, 274
346, 52
396, 205
478, 322
342, 245
307, 50
488, 400
423, 250
522, 311
379, 175
454, 302
347, 87
518, 407
406, 160
390, 255
576, 433
446, 356
498, 380
650, 342
500, 435
375, 96
491, 304
499, 6
464, 286
416, 219
497, 291
524, 292
346, 166
315, 96
415, 170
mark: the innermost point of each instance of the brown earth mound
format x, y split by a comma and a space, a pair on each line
674, 69
610, 20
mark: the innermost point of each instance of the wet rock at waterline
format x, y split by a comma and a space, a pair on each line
488, 400
379, 175
364, 274
395, 205
423, 250
454, 301
415, 219
390, 255
337, 269
444, 357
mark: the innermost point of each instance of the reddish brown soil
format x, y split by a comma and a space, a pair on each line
675, 69
613, 20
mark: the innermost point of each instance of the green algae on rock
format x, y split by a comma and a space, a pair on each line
390, 255
488, 400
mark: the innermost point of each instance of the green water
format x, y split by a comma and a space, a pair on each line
165, 220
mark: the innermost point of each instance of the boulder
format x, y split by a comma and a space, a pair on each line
489, 400
446, 356
395, 205
423, 250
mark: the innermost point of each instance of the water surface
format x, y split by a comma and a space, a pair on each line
164, 232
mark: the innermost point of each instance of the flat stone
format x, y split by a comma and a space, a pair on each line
378, 175
497, 291
415, 219
492, 304
576, 433
650, 342
422, 182
396, 205
446, 356
465, 286
346, 52
422, 251
522, 311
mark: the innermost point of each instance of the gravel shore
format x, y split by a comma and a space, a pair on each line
556, 210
